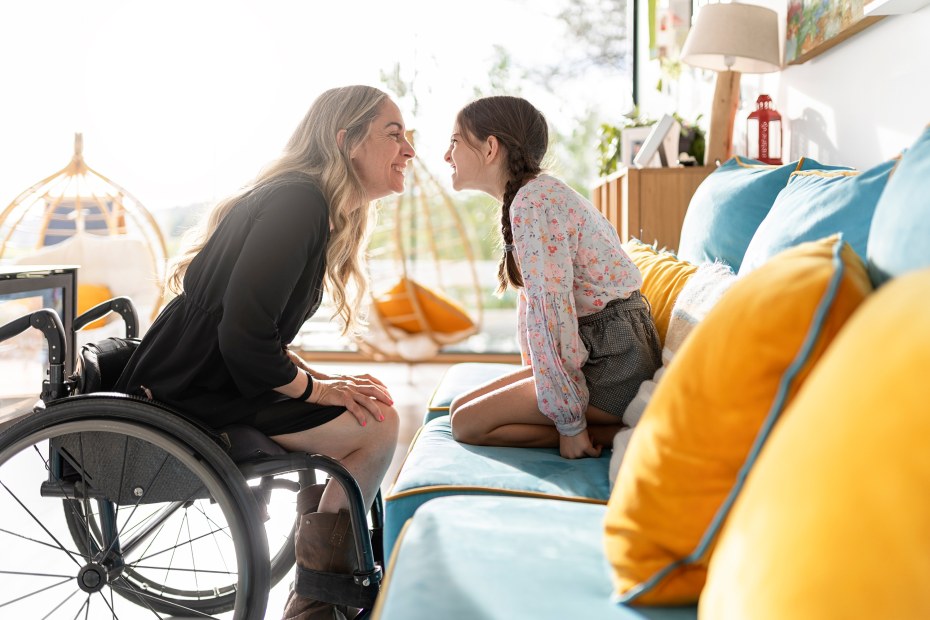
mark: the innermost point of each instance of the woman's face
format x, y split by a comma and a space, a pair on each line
382, 156
466, 162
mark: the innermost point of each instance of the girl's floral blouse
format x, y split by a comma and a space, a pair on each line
572, 265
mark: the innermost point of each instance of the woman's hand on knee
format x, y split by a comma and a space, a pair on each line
359, 395
578, 446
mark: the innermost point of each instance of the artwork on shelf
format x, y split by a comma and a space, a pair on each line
631, 140
814, 26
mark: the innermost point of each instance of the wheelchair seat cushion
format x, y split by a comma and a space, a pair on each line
245, 443
101, 363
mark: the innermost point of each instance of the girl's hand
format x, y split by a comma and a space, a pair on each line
359, 395
578, 446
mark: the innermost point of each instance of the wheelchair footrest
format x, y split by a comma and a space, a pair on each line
339, 588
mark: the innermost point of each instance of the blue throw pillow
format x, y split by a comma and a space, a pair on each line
817, 204
899, 240
729, 205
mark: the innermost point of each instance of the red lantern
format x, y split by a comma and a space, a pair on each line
763, 132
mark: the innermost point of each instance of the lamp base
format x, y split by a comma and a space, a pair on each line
723, 114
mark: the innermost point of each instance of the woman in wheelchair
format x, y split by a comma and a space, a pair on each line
253, 273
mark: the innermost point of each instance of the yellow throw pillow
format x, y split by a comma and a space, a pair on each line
834, 521
88, 296
711, 412
442, 315
664, 275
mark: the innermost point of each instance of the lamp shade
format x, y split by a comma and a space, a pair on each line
734, 37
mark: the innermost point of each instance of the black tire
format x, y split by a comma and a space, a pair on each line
164, 570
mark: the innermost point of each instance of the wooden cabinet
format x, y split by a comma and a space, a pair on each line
649, 203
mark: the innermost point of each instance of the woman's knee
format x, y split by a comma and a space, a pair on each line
391, 421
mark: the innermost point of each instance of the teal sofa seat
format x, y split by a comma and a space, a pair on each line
461, 378
437, 465
499, 558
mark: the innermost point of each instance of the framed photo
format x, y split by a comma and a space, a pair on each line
631, 140
658, 142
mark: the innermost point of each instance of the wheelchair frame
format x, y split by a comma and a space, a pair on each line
61, 410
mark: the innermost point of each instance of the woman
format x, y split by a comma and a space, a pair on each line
250, 279
585, 332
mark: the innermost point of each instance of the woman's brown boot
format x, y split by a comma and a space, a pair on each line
324, 543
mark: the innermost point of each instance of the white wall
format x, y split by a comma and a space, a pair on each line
862, 101
857, 104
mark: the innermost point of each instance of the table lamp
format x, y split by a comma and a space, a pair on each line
730, 39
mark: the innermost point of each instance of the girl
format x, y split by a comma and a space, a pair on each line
586, 334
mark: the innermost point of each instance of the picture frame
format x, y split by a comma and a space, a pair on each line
814, 26
631, 141
655, 145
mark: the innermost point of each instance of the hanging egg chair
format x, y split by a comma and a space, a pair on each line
79, 216
424, 282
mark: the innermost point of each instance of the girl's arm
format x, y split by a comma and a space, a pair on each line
545, 247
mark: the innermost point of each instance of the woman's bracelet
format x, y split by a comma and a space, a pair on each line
308, 389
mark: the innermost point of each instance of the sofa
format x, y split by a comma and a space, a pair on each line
776, 465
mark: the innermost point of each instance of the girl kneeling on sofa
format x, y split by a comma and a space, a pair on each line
586, 334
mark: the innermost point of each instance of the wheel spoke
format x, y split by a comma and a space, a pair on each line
58, 606
25, 596
39, 523
183, 570
85, 608
176, 546
136, 505
191, 548
36, 541
28, 574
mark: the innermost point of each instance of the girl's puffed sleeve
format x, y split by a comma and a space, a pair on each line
555, 349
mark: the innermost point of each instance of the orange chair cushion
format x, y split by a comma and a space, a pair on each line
88, 296
442, 315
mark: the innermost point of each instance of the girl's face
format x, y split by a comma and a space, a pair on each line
468, 166
382, 156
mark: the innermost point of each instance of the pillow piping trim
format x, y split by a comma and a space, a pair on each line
810, 340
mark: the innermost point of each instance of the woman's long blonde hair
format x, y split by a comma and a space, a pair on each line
314, 151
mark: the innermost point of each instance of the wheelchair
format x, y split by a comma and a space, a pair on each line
113, 506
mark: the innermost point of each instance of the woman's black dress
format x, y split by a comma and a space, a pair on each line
217, 351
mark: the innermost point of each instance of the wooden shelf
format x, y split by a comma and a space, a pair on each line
649, 203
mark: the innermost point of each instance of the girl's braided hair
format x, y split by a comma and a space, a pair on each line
522, 131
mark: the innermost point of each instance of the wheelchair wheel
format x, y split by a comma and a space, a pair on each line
277, 502
154, 513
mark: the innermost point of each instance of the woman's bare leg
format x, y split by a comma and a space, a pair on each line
366, 451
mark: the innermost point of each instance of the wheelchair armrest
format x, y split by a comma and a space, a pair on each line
46, 321
121, 305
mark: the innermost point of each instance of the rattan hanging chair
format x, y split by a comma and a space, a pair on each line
424, 282
79, 216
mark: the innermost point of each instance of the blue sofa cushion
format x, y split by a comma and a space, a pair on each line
729, 205
816, 204
436, 465
901, 225
462, 378
490, 558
